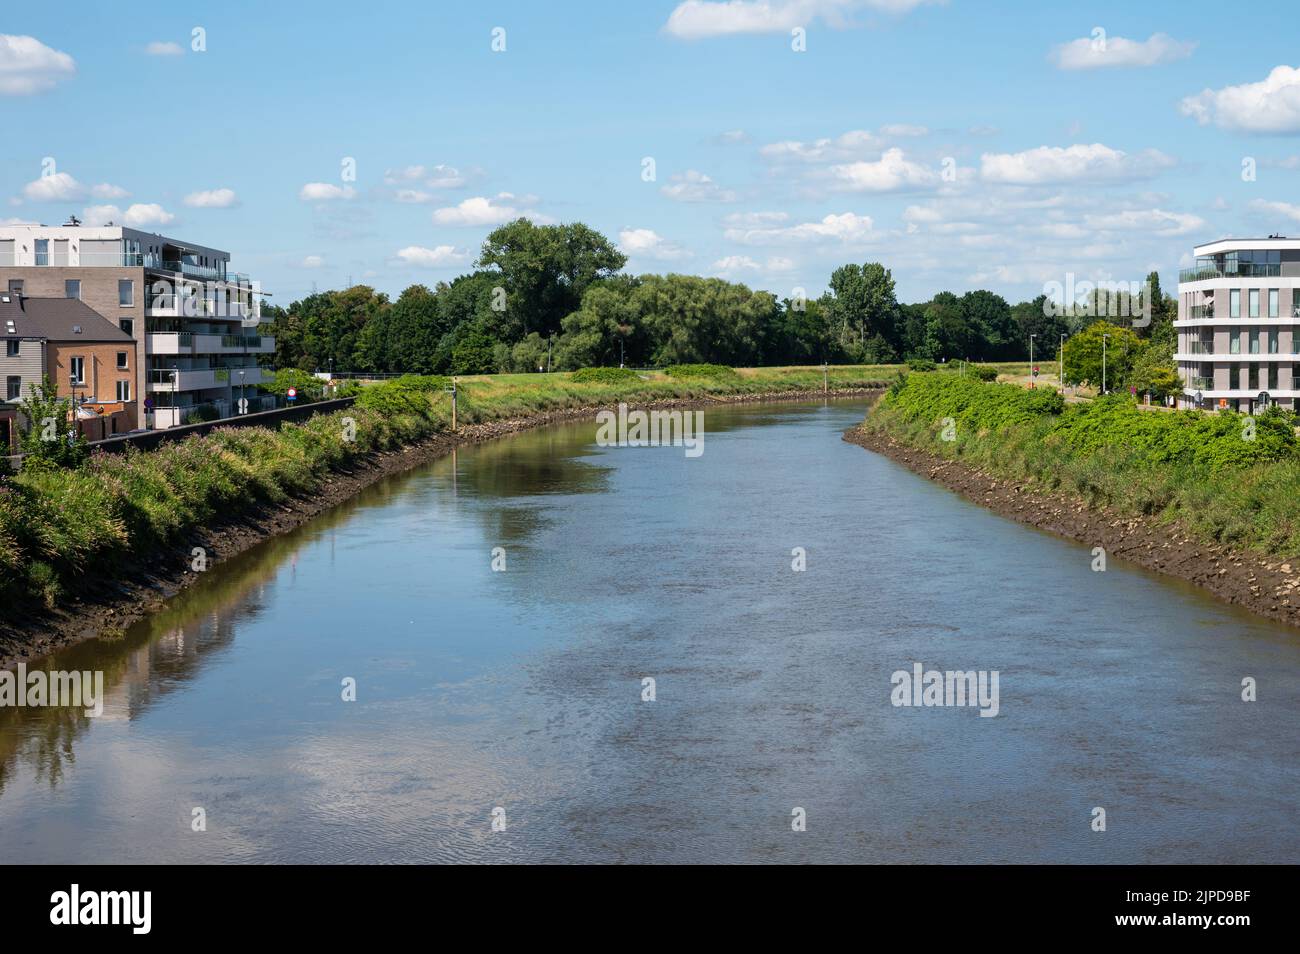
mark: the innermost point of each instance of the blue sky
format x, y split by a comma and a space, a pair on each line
963, 144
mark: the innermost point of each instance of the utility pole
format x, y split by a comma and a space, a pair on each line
1104, 339
1060, 368
452, 390
825, 380
1031, 361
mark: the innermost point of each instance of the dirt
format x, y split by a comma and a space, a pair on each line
1269, 586
144, 585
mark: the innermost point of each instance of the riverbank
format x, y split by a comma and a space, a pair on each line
1260, 582
144, 583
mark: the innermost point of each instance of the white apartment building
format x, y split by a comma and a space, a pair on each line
1239, 324
194, 320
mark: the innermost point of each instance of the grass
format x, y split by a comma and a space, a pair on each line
1196, 471
63, 525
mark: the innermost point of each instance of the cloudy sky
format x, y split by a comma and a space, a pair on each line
964, 144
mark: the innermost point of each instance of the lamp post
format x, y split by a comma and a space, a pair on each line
243, 408
1060, 367
1031, 361
1104, 339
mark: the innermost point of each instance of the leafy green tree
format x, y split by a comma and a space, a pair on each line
991, 330
947, 335
1084, 351
863, 306
49, 436
545, 270
474, 353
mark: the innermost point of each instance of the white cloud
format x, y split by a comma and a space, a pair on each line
325, 192
892, 172
695, 186
142, 214
1077, 163
17, 222
732, 137
647, 243
29, 66
732, 266
413, 196
434, 177
851, 145
1090, 54
312, 261
903, 130
62, 187
164, 48
440, 256
212, 199
1277, 208
481, 210
846, 228
136, 216
1269, 106
1155, 221
697, 19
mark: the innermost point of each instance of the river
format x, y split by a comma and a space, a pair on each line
516, 695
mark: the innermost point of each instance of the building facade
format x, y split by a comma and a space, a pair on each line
194, 320
87, 358
1239, 325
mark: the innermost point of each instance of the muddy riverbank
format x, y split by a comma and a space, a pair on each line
1268, 586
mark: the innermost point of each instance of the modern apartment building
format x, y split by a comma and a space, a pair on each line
195, 321
84, 355
1239, 324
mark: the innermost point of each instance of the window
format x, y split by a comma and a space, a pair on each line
1272, 378
72, 288
11, 347
124, 390
1234, 377
121, 361
1254, 303
16, 288
1234, 303
42, 249
1272, 302
1272, 341
13, 387
77, 369
1254, 341
125, 292
1254, 377
1234, 342
127, 325
1295, 302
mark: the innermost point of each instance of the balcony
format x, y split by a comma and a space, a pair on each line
1244, 270
1201, 383
1199, 347
169, 342
1200, 311
183, 379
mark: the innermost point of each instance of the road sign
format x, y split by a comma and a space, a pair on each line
1035, 372
1198, 397
293, 394
1263, 398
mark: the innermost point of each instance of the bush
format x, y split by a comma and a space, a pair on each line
981, 372
309, 387
921, 364
604, 376
699, 371
202, 414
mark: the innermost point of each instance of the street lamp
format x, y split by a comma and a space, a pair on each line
1104, 339
1060, 367
1031, 361
242, 403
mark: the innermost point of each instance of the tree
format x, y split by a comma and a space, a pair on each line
863, 306
544, 271
1044, 322
991, 330
473, 354
1083, 355
49, 437
947, 336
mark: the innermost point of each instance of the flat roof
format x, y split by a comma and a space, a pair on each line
1228, 244
33, 230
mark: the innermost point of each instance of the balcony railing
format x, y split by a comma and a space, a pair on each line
1199, 347
1201, 383
1200, 311
1202, 272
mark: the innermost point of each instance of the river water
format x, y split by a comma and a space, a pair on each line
521, 690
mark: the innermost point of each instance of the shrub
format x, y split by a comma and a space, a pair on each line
604, 376
921, 364
982, 372
698, 371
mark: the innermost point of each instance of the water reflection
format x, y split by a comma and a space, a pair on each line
521, 689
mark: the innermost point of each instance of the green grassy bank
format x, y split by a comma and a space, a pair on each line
60, 524
1223, 478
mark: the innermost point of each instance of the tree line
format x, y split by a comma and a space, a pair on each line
555, 296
